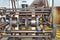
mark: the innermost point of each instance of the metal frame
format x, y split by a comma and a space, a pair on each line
23, 12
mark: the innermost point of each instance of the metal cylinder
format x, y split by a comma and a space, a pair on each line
33, 22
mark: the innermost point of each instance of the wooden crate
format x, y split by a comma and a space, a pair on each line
57, 15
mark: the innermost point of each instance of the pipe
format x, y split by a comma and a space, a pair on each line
52, 11
13, 5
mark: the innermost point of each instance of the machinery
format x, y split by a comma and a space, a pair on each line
33, 22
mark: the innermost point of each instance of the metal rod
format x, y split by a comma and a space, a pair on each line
27, 31
37, 23
24, 36
26, 8
28, 12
